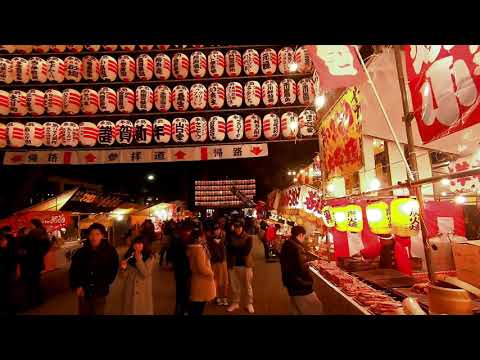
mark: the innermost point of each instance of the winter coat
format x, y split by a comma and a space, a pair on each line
239, 250
94, 270
295, 274
218, 251
202, 286
36, 245
177, 256
137, 290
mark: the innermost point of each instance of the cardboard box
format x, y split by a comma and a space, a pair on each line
467, 261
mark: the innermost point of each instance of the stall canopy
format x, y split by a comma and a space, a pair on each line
107, 219
53, 204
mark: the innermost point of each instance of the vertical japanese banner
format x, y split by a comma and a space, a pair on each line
444, 82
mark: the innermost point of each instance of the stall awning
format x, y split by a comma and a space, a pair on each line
53, 204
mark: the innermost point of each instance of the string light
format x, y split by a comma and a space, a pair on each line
289, 173
294, 173
295, 180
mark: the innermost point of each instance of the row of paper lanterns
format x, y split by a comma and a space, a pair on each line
52, 134
218, 203
401, 217
223, 192
42, 49
54, 102
224, 187
145, 68
230, 197
224, 182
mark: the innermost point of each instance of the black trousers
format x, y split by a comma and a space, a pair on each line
196, 308
91, 305
34, 289
182, 293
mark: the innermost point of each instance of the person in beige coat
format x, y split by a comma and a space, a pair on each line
202, 286
136, 271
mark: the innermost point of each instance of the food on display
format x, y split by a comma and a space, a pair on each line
89, 104
286, 57
6, 73
88, 133
234, 94
41, 48
216, 128
270, 93
198, 96
198, 64
69, 134
18, 103
108, 68
71, 101
307, 120
124, 131
162, 66
180, 130
180, 98
39, 69
268, 61
107, 100
4, 102
288, 91
144, 67
180, 66
251, 62
52, 132
233, 63
34, 134
216, 95
235, 127
106, 132
144, 98
75, 48
58, 48
253, 127
143, 131
35, 102
253, 93
162, 131
90, 68
16, 134
421, 288
271, 126
162, 98
289, 124
73, 68
20, 69
56, 69
198, 129
126, 68
216, 63
125, 100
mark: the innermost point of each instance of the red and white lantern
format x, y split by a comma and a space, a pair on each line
162, 131
146, 47
144, 98
34, 134
73, 68
162, 66
253, 127
54, 102
198, 64
36, 102
233, 63
270, 93
107, 100
124, 131
8, 48
5, 102
271, 126
307, 120
56, 69
234, 94
69, 134
126, 68
198, 129
268, 61
41, 49
303, 60
143, 131
125, 100
20, 69
286, 57
58, 48
180, 130
288, 91
90, 68
6, 73
18, 103
72, 100
75, 48
306, 91
144, 67
251, 62
216, 63
289, 124
108, 68
163, 98
198, 96
88, 133
253, 93
235, 127
92, 48
106, 132
16, 134
216, 128
89, 101
110, 47
180, 66
216, 95
127, 47
52, 134
180, 98
3, 135
163, 47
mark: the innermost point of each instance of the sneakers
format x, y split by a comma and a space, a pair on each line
233, 307
250, 309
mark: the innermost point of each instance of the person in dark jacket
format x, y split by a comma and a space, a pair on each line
218, 259
94, 268
147, 231
8, 275
296, 276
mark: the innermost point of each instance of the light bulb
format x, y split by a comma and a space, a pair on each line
295, 180
445, 182
289, 173
302, 171
319, 101
331, 188
460, 199
375, 184
151, 177
294, 173
293, 67
119, 217
443, 193
293, 125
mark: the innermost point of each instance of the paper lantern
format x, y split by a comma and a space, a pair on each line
75, 48
253, 93
146, 47
270, 93
303, 60
110, 47
143, 131
341, 218
38, 69
89, 103
71, 101
378, 217
233, 63
16, 134
234, 94
216, 95
8, 48
126, 68
307, 120
90, 68
53, 102
271, 126
198, 64
289, 124
327, 216
73, 68
106, 132
198, 129
286, 57
180, 98
58, 48
88, 133
6, 73
52, 132
20, 69
253, 127
92, 48
180, 66
35, 102
216, 128
288, 91
3, 135
124, 131
127, 47
144, 98
34, 134
69, 134
107, 100
405, 216
162, 66
216, 63
18, 103
180, 130
42, 49
162, 97
198, 96
108, 68
251, 62
4, 102
162, 131
268, 61
56, 69
144, 67
306, 91
163, 47
125, 100
235, 127
354, 218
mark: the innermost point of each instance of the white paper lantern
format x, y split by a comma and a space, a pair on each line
270, 93
251, 62
235, 127
90, 68
6, 73
53, 102
89, 101
8, 48
216, 63
107, 100
233, 63
16, 134
69, 134
20, 70
56, 69
146, 47
52, 134
75, 48
34, 134
307, 120
144, 67
72, 100
3, 135
125, 100
180, 66
268, 61
18, 103
58, 48
216, 95
162, 97
198, 129
303, 60
286, 57
144, 98
289, 124
127, 47
252, 93
234, 94
163, 66
163, 47
253, 127
41, 49
92, 48
198, 96
271, 126
108, 68
288, 91
106, 132
4, 102
38, 69
88, 133
23, 49
180, 130
73, 68
198, 64
162, 131
124, 131
35, 102
306, 91
110, 47
180, 98
126, 68
216, 128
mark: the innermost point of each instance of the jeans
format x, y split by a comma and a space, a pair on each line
241, 279
91, 305
196, 308
306, 305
